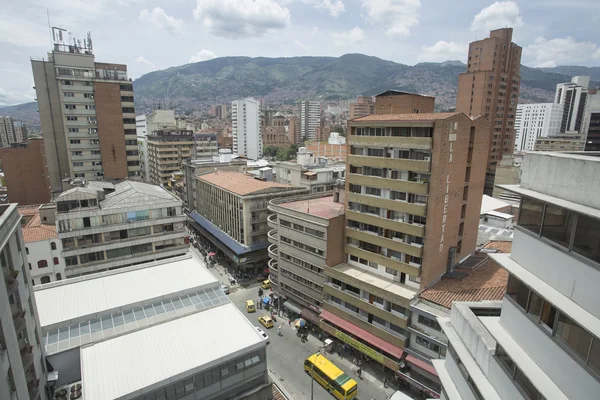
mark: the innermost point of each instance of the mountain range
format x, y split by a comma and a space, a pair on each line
195, 86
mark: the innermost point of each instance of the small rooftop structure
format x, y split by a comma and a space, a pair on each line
323, 207
242, 184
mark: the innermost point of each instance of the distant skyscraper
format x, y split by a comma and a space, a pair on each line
11, 132
572, 96
87, 115
245, 120
592, 122
534, 121
310, 119
490, 87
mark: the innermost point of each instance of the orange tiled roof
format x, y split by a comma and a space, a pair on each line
240, 183
486, 282
501, 246
29, 210
406, 117
35, 231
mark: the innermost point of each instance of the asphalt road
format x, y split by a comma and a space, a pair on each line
286, 354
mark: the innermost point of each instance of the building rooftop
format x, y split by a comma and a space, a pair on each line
499, 246
132, 193
487, 281
393, 92
35, 231
398, 289
323, 207
152, 357
242, 184
489, 203
406, 117
68, 300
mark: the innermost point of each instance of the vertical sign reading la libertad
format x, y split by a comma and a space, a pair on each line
451, 139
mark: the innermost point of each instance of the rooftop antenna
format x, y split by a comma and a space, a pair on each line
50, 29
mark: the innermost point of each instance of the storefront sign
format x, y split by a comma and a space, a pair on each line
359, 346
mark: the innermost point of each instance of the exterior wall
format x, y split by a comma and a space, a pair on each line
534, 121
42, 250
403, 104
275, 136
110, 123
26, 173
334, 254
191, 170
591, 122
576, 143
294, 131
166, 154
22, 369
310, 119
358, 110
245, 119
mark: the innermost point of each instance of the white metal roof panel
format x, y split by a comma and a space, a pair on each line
73, 299
126, 364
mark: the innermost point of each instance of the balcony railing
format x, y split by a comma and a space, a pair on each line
272, 220
272, 236
273, 253
273, 265
11, 284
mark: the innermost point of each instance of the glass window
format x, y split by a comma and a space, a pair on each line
518, 291
594, 359
558, 225
548, 316
505, 360
587, 237
526, 385
535, 305
530, 215
573, 335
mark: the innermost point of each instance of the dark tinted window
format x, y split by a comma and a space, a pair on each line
574, 336
530, 216
518, 291
558, 225
587, 237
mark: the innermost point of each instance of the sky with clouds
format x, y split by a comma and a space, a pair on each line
151, 34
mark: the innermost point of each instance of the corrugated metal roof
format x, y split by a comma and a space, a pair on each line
131, 193
73, 299
152, 356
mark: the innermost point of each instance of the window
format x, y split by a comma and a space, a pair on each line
587, 237
27, 250
351, 307
58, 277
380, 321
574, 336
505, 360
431, 323
535, 305
517, 291
45, 279
530, 215
558, 225
42, 264
55, 261
397, 329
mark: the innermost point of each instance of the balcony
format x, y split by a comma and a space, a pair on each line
272, 236
27, 359
16, 311
273, 279
394, 205
392, 184
381, 241
272, 220
11, 284
19, 323
273, 253
403, 164
418, 143
273, 265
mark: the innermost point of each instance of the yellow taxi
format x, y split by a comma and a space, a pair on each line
250, 306
266, 321
266, 284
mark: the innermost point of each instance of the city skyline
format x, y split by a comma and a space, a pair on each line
168, 34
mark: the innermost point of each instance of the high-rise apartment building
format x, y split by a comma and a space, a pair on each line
414, 184
12, 132
592, 121
490, 88
542, 341
105, 226
22, 365
310, 119
364, 106
246, 132
534, 121
294, 130
166, 151
572, 96
87, 115
26, 172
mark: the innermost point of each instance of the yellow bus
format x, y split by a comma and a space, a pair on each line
333, 379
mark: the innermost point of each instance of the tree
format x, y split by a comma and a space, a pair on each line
270, 151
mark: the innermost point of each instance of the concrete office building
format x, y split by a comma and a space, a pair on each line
87, 115
193, 168
572, 96
490, 88
307, 237
541, 341
104, 226
146, 124
22, 367
12, 132
205, 145
591, 121
364, 106
43, 248
310, 119
534, 121
231, 212
245, 125
414, 185
315, 174
26, 172
212, 351
560, 143
166, 151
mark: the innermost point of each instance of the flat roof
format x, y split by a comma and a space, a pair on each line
498, 214
323, 207
240, 183
375, 280
154, 356
72, 299
489, 203
406, 117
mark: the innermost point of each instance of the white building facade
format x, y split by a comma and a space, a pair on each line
310, 119
536, 120
245, 121
573, 97
543, 340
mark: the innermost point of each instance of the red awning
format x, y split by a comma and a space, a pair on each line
362, 334
310, 315
421, 364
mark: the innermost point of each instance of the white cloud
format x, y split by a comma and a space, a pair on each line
21, 32
498, 15
125, 3
443, 51
399, 16
202, 55
560, 51
236, 19
314, 30
142, 60
353, 36
301, 45
9, 98
160, 18
334, 7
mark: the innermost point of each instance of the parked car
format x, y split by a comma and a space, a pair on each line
225, 289
262, 333
266, 284
250, 307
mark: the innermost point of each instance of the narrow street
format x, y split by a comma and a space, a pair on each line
286, 354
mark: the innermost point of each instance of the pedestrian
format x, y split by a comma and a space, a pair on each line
289, 322
359, 372
385, 382
354, 361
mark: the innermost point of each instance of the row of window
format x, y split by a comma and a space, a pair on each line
370, 318
302, 246
465, 373
301, 263
572, 231
581, 344
369, 297
396, 131
300, 294
302, 228
516, 375
301, 280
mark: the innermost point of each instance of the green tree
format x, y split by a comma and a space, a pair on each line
270, 151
